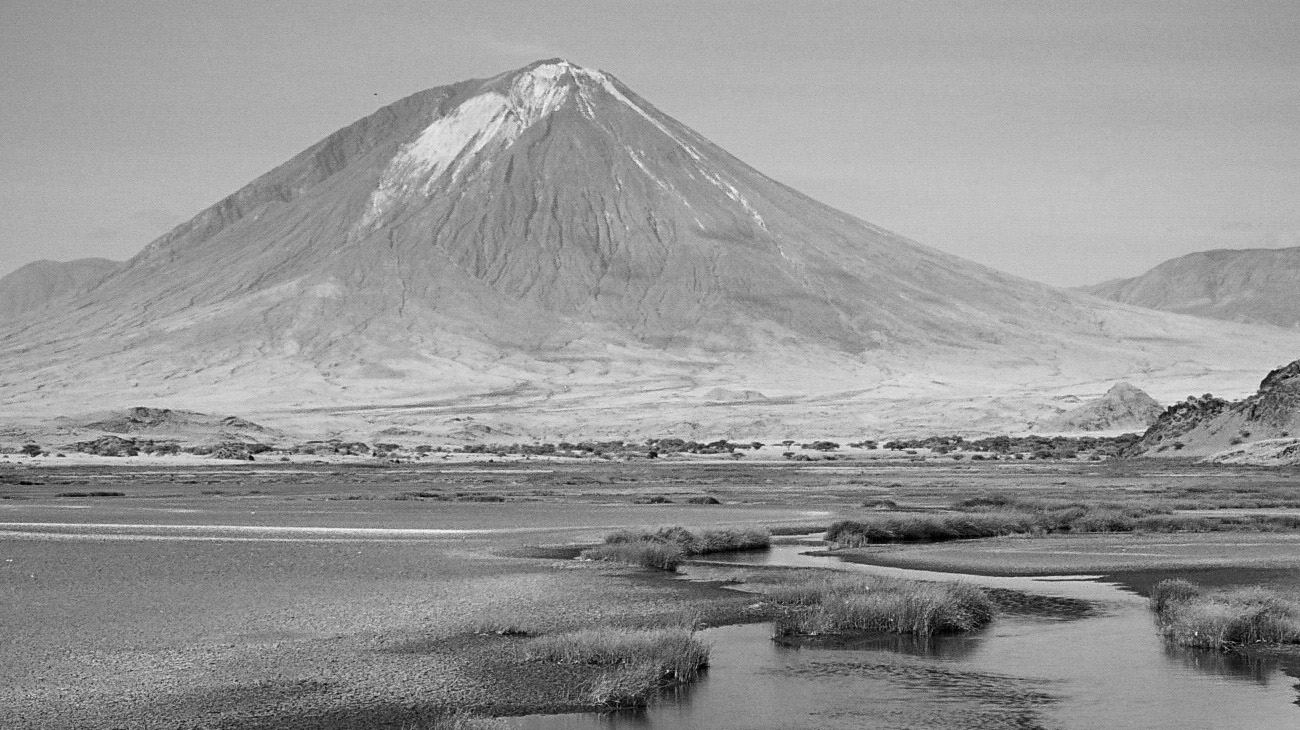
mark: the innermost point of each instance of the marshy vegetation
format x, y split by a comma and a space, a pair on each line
1226, 620
846, 604
638, 663
667, 547
995, 514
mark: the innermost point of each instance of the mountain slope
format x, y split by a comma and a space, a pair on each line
547, 247
1250, 285
33, 286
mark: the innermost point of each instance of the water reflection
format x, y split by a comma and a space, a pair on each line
943, 648
1260, 670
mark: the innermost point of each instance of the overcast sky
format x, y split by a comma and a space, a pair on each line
1068, 142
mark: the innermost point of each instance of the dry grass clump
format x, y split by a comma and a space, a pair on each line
660, 556
625, 686
640, 662
927, 528
1226, 620
1166, 593
1234, 496
504, 626
666, 547
891, 605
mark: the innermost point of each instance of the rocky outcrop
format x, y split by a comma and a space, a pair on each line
1208, 425
142, 419
118, 446
1123, 407
1277, 404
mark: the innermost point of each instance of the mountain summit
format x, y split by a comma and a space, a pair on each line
546, 237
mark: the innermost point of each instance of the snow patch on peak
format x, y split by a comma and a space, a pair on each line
470, 127
452, 143
540, 91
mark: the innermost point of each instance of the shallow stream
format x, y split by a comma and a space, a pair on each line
1107, 670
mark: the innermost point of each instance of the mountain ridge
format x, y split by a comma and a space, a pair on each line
1239, 285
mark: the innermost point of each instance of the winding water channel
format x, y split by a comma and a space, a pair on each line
1108, 670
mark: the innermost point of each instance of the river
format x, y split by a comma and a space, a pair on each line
1107, 670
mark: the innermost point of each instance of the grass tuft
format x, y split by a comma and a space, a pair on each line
660, 556
625, 686
640, 662
891, 605
1226, 620
666, 547
1166, 593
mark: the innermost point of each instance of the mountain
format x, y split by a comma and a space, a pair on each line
40, 282
547, 251
1250, 285
1208, 425
1123, 407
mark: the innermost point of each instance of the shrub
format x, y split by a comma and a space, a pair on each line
652, 499
705, 499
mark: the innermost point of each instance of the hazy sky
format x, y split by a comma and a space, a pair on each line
1068, 142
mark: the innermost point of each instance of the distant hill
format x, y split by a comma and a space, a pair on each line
1205, 425
1249, 285
40, 282
1123, 407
